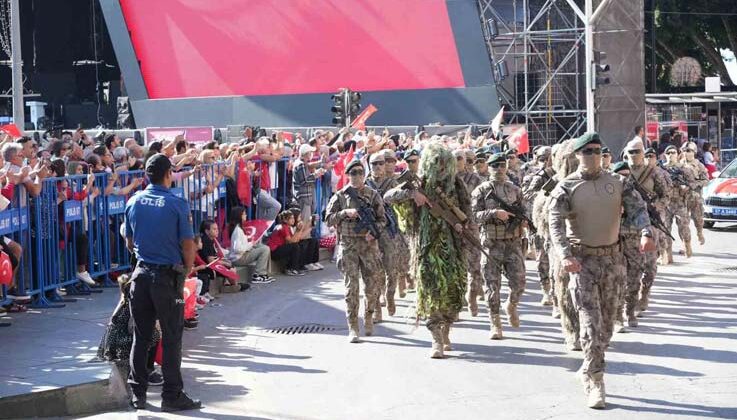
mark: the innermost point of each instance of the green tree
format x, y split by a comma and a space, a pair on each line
691, 28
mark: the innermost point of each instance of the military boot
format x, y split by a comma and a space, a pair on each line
669, 254
619, 323
378, 315
573, 345
391, 307
402, 286
353, 334
643, 302
368, 324
700, 236
446, 337
547, 300
631, 319
512, 315
437, 343
689, 251
597, 392
496, 327
556, 312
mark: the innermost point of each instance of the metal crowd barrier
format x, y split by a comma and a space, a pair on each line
65, 228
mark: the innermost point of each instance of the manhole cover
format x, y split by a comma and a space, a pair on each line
305, 329
727, 269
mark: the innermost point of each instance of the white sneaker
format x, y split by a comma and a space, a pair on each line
319, 266
86, 278
311, 267
208, 296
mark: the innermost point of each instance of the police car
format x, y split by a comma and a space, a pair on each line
720, 197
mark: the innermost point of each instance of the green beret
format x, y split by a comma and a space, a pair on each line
497, 157
605, 151
353, 164
409, 153
620, 166
588, 138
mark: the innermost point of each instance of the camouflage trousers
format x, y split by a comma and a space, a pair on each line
439, 319
640, 269
568, 313
413, 263
677, 212
474, 278
696, 210
595, 291
506, 257
542, 260
359, 260
391, 270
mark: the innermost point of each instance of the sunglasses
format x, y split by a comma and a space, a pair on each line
591, 151
470, 161
412, 161
355, 172
634, 152
498, 164
650, 156
672, 152
478, 161
377, 163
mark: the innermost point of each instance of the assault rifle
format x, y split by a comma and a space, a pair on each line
655, 219
443, 209
366, 215
676, 175
516, 210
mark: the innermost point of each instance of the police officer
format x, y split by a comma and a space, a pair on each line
159, 232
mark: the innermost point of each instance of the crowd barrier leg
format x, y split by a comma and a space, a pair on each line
46, 249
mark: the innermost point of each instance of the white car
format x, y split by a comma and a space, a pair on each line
720, 197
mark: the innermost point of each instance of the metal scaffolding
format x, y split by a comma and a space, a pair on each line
537, 51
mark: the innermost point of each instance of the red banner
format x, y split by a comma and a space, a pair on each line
360, 121
11, 129
339, 167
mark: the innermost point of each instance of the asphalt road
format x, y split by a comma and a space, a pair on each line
681, 362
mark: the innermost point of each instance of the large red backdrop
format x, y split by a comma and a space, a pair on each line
194, 48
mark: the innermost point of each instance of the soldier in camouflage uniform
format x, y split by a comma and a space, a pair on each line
641, 268
359, 256
473, 255
662, 205
514, 168
695, 201
402, 259
564, 164
407, 225
683, 182
584, 228
379, 182
482, 168
501, 234
531, 185
606, 159
441, 260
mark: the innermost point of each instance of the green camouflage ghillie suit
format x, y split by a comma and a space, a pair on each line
564, 164
442, 266
503, 239
359, 258
584, 227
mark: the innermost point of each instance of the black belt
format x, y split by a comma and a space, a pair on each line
156, 266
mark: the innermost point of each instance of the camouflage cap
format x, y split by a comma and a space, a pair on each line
586, 139
377, 157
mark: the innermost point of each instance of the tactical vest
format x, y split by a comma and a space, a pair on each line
596, 209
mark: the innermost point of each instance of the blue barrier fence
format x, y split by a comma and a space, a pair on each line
75, 224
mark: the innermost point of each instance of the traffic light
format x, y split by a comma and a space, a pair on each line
339, 108
355, 104
600, 70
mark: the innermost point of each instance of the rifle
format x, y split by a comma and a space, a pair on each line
366, 215
443, 209
676, 175
655, 219
515, 210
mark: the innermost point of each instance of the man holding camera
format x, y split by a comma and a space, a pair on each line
159, 232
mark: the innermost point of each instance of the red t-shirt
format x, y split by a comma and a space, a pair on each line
265, 176
279, 237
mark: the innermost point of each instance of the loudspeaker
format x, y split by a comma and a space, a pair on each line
125, 116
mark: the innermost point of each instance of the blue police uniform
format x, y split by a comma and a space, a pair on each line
157, 221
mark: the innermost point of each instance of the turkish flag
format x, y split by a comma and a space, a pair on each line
11, 129
360, 121
340, 165
256, 229
6, 269
287, 136
519, 140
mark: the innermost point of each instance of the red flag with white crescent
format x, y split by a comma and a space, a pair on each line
520, 140
360, 121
